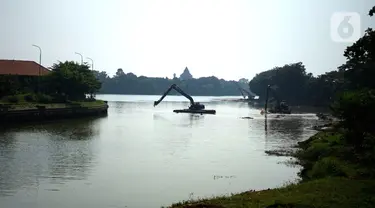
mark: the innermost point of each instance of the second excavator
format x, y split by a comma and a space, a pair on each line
280, 106
195, 107
250, 97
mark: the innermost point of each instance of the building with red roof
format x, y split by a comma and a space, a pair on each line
22, 68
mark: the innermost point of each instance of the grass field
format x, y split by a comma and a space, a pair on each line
328, 192
23, 104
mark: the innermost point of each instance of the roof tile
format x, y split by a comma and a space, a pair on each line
21, 67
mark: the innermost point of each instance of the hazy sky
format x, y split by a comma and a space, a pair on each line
229, 39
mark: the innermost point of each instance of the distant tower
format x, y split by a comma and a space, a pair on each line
186, 75
174, 76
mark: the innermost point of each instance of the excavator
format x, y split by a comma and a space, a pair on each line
250, 96
280, 106
195, 107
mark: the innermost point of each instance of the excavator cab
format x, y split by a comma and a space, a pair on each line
197, 106
280, 107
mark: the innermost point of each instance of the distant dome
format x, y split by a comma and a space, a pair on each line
186, 75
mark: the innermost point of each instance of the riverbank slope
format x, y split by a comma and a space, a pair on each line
23, 111
331, 176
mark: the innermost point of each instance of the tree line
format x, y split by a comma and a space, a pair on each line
129, 83
296, 86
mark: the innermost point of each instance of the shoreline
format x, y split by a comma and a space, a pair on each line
29, 112
325, 180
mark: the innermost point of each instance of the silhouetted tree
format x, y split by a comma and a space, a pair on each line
72, 80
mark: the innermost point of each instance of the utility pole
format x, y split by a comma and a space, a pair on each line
266, 104
92, 70
40, 64
92, 63
81, 57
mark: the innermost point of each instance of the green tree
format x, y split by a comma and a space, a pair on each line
73, 81
360, 65
120, 72
288, 80
101, 76
356, 108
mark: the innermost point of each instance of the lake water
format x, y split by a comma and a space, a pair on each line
145, 156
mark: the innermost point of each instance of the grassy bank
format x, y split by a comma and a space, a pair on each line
334, 174
29, 101
327, 192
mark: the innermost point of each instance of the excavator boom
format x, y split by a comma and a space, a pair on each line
280, 107
249, 94
274, 95
175, 87
193, 108
243, 95
184, 94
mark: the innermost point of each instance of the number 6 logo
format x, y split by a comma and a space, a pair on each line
345, 27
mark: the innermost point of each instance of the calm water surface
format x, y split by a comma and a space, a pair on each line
145, 156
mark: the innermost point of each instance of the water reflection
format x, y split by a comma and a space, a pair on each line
8, 172
196, 119
179, 120
175, 140
118, 106
151, 150
55, 152
190, 120
283, 130
6, 140
159, 117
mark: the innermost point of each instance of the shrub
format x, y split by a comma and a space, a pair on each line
42, 98
29, 97
13, 99
315, 151
331, 167
357, 111
59, 99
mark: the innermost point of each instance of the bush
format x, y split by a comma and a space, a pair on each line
29, 97
357, 111
13, 99
59, 99
331, 167
315, 151
42, 98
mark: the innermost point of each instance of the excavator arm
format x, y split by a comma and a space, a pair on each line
244, 96
184, 94
179, 90
249, 94
274, 95
280, 106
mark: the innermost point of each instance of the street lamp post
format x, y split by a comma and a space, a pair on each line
81, 57
92, 63
92, 70
40, 64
